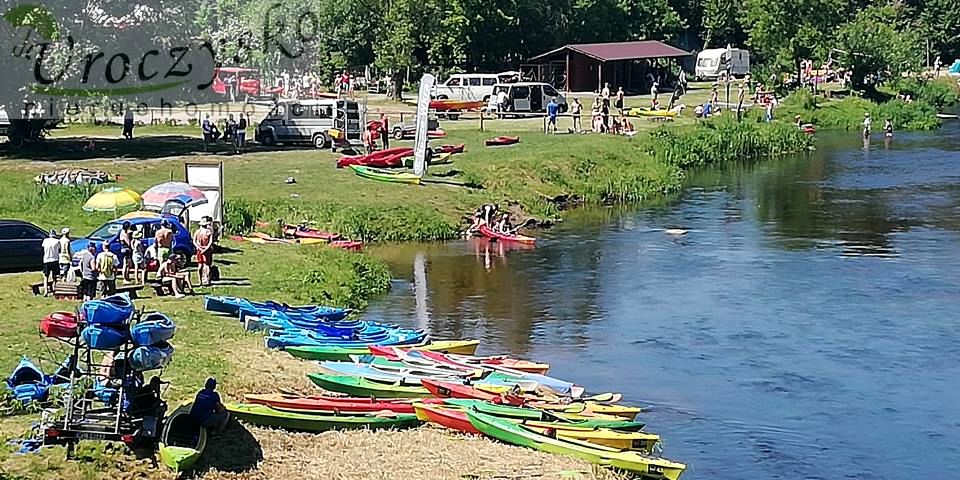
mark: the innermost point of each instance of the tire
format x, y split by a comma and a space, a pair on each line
319, 141
266, 138
398, 134
453, 116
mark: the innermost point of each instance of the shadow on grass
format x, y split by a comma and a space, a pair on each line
235, 450
140, 148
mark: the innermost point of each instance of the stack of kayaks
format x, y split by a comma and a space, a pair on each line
151, 336
312, 325
391, 157
107, 322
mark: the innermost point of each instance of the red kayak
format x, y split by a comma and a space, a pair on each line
497, 141
446, 105
307, 232
809, 129
455, 390
59, 325
450, 417
487, 232
332, 404
351, 245
436, 134
451, 149
391, 157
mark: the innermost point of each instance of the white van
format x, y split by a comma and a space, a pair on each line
471, 86
310, 121
711, 63
526, 97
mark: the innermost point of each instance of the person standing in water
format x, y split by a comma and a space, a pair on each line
866, 125
887, 128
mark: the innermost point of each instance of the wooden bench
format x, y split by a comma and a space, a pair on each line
71, 290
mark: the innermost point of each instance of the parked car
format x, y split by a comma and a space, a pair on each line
527, 97
310, 121
110, 232
20, 245
472, 86
401, 131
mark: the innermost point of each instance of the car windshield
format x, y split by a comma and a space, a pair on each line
708, 62
106, 232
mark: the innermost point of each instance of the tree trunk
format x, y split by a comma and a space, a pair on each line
396, 90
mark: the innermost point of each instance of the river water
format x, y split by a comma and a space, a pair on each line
805, 327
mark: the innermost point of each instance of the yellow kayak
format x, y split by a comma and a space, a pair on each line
645, 112
641, 441
590, 408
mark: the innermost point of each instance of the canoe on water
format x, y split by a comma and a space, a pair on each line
516, 434
317, 422
331, 404
385, 175
494, 235
183, 440
464, 347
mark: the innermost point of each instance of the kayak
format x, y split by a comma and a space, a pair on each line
444, 105
307, 232
331, 404
183, 440
349, 245
516, 434
234, 306
360, 387
498, 141
391, 157
395, 375
385, 175
453, 418
591, 421
468, 361
453, 149
645, 112
102, 337
59, 325
152, 329
27, 383
494, 235
152, 357
590, 407
317, 422
112, 310
436, 159
283, 340
467, 347
455, 390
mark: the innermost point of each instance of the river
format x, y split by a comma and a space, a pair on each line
805, 327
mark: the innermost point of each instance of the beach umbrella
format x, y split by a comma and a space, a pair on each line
112, 199
188, 195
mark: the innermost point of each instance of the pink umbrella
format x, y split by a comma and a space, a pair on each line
158, 195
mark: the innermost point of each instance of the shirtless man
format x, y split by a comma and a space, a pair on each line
164, 240
203, 241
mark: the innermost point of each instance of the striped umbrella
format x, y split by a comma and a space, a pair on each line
112, 199
158, 195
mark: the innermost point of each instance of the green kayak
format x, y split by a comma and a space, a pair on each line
516, 434
506, 411
360, 387
385, 175
317, 422
182, 441
341, 354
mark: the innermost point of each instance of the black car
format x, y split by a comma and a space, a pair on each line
20, 245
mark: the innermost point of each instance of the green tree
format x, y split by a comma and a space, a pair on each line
783, 32
721, 23
879, 43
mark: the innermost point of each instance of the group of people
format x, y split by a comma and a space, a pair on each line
234, 131
490, 215
382, 129
868, 125
96, 265
601, 121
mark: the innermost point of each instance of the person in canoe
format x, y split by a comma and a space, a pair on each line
504, 225
208, 409
489, 213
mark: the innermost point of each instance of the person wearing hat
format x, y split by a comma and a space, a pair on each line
66, 255
203, 242
51, 261
208, 409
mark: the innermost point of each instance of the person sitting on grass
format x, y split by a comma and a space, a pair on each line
169, 272
208, 409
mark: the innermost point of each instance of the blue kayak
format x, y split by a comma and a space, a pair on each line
151, 357
28, 383
153, 328
235, 306
103, 337
112, 310
405, 337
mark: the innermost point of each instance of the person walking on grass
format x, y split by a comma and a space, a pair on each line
126, 249
619, 101
575, 111
230, 132
51, 261
128, 124
107, 264
203, 242
208, 409
88, 272
553, 108
503, 102
206, 127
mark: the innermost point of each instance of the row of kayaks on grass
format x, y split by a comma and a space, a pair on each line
329, 352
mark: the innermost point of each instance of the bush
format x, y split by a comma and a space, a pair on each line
240, 216
938, 94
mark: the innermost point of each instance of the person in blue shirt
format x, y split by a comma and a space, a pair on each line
208, 409
552, 110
